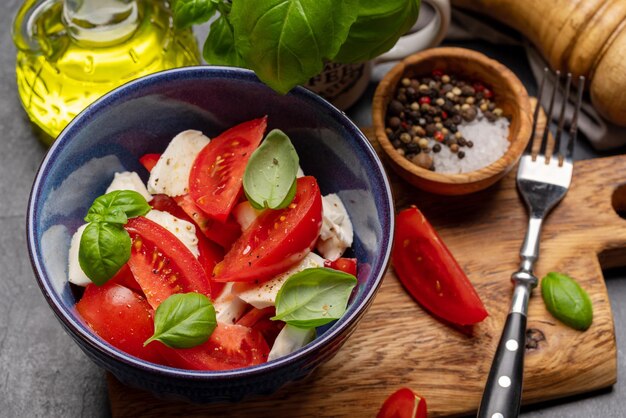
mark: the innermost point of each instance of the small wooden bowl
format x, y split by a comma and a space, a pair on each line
510, 95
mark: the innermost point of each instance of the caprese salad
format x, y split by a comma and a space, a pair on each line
227, 258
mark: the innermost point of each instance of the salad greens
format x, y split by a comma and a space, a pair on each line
567, 301
184, 320
286, 42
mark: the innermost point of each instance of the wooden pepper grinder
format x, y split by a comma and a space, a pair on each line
584, 37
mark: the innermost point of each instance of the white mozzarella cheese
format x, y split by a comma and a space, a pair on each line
228, 307
289, 340
170, 175
264, 294
183, 230
75, 273
245, 214
300, 172
129, 180
336, 234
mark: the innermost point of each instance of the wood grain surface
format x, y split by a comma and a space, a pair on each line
399, 344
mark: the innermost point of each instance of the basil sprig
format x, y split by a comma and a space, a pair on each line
314, 297
188, 12
270, 177
105, 244
184, 320
567, 301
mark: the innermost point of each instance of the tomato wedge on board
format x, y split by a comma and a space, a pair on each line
120, 317
216, 174
430, 273
404, 403
161, 264
149, 160
347, 265
277, 239
229, 347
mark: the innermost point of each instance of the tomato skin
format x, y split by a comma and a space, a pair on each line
429, 272
277, 239
124, 277
347, 265
161, 264
120, 317
217, 173
403, 403
229, 347
149, 160
259, 319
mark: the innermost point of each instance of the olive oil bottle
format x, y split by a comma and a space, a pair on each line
71, 52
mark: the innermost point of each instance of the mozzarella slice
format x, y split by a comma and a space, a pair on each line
300, 172
289, 340
129, 180
245, 214
336, 234
75, 273
264, 294
170, 175
228, 307
183, 230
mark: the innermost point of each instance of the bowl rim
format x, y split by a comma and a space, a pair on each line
512, 153
75, 328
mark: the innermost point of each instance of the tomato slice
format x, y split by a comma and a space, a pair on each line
149, 160
120, 317
229, 347
347, 265
277, 239
161, 264
259, 319
430, 273
222, 233
124, 277
404, 403
216, 174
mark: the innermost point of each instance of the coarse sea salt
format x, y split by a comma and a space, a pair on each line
490, 143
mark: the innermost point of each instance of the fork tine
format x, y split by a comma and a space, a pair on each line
529, 146
574, 126
559, 130
546, 131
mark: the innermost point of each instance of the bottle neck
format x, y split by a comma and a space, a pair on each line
101, 22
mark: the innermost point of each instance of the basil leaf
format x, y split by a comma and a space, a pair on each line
219, 47
188, 12
377, 28
184, 320
567, 301
286, 42
314, 297
104, 249
270, 177
117, 206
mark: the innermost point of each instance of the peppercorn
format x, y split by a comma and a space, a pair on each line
469, 114
423, 143
454, 147
419, 131
456, 91
405, 137
461, 154
423, 160
469, 144
445, 78
436, 148
406, 82
396, 107
394, 122
415, 106
430, 129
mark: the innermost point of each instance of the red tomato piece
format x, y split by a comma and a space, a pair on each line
161, 264
222, 233
217, 173
124, 277
404, 403
277, 239
229, 347
259, 319
149, 160
120, 317
430, 273
347, 265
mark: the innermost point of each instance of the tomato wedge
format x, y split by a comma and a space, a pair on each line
229, 347
161, 264
120, 317
430, 273
124, 277
259, 319
216, 174
347, 265
277, 239
149, 160
404, 403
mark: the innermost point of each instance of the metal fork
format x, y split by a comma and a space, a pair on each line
542, 181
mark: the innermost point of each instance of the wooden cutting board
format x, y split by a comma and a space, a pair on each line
399, 344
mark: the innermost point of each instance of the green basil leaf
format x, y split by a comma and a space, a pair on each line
104, 249
286, 42
184, 320
314, 297
117, 206
219, 47
270, 177
567, 301
377, 28
188, 12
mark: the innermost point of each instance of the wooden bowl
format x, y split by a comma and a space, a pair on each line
510, 96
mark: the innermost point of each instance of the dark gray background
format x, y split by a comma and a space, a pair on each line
44, 374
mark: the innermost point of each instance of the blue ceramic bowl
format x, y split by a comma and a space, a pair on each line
141, 117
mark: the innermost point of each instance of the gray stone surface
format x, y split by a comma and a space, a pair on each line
44, 374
